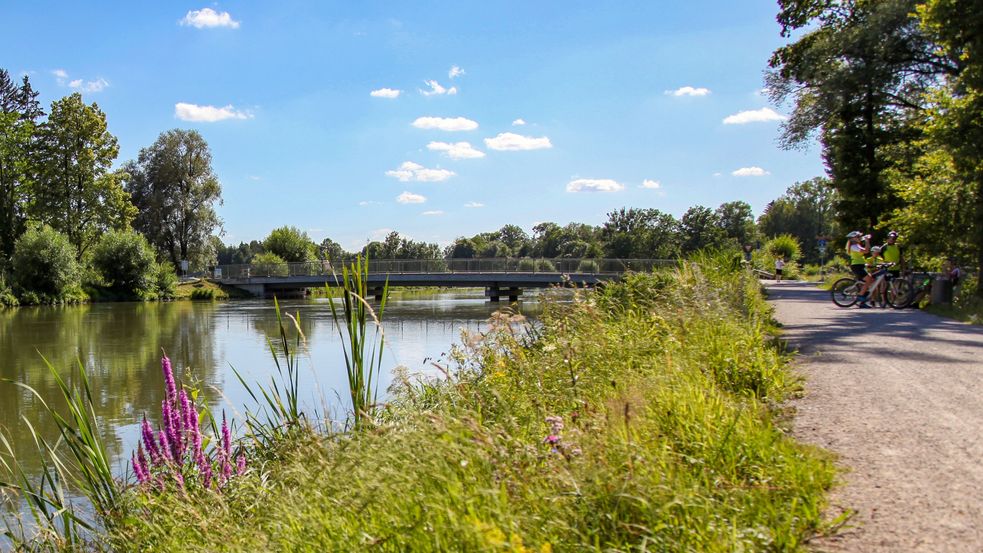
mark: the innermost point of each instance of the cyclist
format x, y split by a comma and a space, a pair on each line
891, 252
876, 256
858, 262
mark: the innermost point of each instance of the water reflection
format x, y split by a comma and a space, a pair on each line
120, 344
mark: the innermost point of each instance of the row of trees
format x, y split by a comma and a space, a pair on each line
57, 180
805, 211
894, 90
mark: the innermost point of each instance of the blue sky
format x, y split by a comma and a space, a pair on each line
612, 95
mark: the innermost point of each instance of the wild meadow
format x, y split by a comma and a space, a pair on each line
646, 415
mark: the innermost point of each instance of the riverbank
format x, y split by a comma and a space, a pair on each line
644, 415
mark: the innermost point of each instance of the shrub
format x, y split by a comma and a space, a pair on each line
125, 261
203, 294
165, 279
588, 266
7, 297
44, 263
786, 246
269, 264
545, 266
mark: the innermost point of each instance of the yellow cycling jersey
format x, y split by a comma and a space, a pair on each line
855, 251
891, 253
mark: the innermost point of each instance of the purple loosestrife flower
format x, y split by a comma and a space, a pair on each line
241, 465
165, 445
139, 466
172, 431
226, 452
206, 476
165, 365
150, 443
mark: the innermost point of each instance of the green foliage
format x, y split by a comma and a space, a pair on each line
165, 280
44, 266
19, 112
7, 297
640, 234
700, 228
175, 190
76, 193
639, 417
397, 247
806, 210
784, 246
269, 264
588, 266
203, 294
290, 244
126, 263
856, 73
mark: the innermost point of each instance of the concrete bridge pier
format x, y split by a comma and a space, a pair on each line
258, 290
494, 293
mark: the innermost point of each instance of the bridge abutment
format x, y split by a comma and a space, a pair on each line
495, 293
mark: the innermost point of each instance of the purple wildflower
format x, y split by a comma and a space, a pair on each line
140, 466
150, 443
226, 453
165, 365
206, 476
552, 439
241, 465
165, 445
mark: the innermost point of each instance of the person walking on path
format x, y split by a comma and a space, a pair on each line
779, 267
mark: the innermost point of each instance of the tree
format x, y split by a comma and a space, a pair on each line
175, 190
806, 211
125, 260
44, 262
331, 250
462, 248
856, 75
640, 233
290, 244
19, 112
700, 229
737, 221
76, 193
958, 125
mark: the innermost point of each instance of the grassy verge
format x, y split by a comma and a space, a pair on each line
641, 417
206, 290
965, 306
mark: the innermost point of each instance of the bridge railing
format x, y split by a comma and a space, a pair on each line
522, 265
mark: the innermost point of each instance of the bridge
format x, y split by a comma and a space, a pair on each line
500, 277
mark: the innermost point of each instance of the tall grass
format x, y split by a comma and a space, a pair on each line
77, 463
363, 342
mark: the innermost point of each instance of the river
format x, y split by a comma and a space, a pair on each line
120, 345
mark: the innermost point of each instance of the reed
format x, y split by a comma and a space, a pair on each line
363, 339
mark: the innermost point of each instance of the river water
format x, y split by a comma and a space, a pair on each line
120, 345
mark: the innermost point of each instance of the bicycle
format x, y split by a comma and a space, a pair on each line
845, 291
919, 286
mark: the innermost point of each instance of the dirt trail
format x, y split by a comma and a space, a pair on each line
898, 395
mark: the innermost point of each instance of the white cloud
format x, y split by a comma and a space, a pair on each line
437, 90
255, 177
518, 122
594, 185
208, 114
410, 198
410, 171
717, 174
754, 116
651, 184
474, 205
445, 123
385, 93
457, 150
508, 141
455, 72
62, 78
365, 203
377, 234
208, 18
750, 172
688, 91
97, 85
432, 213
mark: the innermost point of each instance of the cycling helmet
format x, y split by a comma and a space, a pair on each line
892, 234
875, 249
854, 234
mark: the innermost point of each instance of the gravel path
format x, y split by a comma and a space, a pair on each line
898, 396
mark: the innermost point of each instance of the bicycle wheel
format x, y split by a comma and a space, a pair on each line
899, 293
844, 292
